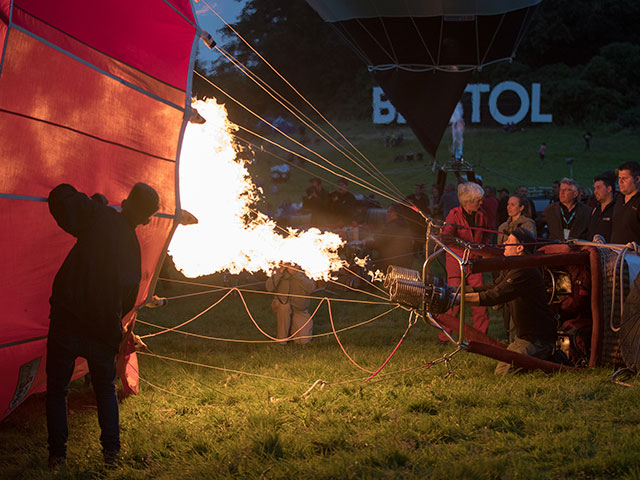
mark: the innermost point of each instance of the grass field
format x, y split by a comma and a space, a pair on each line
502, 159
233, 409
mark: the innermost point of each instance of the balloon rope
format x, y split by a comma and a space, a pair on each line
291, 336
335, 334
282, 159
294, 89
234, 340
346, 173
191, 319
393, 352
382, 376
223, 369
304, 119
262, 292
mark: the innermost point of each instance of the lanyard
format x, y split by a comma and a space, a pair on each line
566, 222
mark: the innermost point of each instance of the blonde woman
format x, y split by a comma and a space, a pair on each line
469, 223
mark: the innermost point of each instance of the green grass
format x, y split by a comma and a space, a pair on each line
503, 160
189, 421
205, 423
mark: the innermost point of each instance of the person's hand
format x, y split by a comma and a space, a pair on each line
138, 344
447, 238
100, 198
156, 302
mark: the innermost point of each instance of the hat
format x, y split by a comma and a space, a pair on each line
143, 199
525, 238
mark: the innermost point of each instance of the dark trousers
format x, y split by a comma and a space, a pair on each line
62, 351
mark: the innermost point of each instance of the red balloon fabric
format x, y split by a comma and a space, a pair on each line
92, 94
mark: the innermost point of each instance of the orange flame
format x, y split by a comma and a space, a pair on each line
216, 187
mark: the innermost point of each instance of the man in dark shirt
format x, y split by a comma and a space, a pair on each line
600, 221
315, 202
419, 198
94, 289
342, 203
626, 212
567, 218
524, 290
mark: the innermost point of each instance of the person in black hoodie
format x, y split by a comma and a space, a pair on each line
94, 289
524, 290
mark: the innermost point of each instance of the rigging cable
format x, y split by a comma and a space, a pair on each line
377, 174
347, 175
290, 85
235, 340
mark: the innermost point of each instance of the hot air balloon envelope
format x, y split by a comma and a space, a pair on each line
422, 52
92, 94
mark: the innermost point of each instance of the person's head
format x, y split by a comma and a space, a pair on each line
343, 185
515, 206
555, 188
393, 212
628, 177
520, 242
504, 193
490, 191
470, 196
315, 182
289, 268
522, 191
584, 194
418, 188
568, 193
143, 201
603, 187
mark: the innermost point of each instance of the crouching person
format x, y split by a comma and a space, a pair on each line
523, 289
291, 307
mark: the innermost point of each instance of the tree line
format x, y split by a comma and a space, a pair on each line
585, 53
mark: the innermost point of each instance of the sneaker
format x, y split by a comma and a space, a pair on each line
57, 462
560, 357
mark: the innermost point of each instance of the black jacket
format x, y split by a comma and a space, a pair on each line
579, 217
626, 220
98, 282
601, 221
525, 292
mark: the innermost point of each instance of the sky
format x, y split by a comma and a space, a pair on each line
229, 10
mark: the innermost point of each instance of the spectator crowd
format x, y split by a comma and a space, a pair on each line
605, 214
